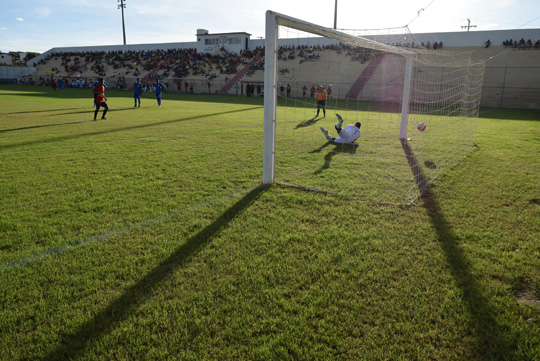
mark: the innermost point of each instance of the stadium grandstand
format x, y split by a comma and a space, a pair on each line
227, 63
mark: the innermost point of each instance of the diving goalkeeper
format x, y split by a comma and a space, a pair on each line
347, 135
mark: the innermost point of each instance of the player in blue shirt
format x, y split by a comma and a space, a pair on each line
137, 91
158, 86
60, 83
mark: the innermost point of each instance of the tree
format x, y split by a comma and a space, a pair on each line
30, 56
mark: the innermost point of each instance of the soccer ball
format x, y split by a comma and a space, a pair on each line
421, 126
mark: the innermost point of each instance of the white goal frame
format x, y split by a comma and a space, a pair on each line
440, 89
273, 21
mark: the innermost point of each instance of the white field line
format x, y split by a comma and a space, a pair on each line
12, 265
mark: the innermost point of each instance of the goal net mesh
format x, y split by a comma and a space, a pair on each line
365, 78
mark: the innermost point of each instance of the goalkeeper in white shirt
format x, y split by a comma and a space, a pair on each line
347, 135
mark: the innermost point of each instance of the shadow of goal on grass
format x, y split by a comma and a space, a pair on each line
308, 122
492, 342
39, 126
74, 345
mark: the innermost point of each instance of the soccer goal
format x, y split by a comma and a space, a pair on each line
385, 80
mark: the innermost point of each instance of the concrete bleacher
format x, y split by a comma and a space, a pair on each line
331, 69
511, 76
126, 74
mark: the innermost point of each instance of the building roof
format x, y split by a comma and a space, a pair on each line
217, 34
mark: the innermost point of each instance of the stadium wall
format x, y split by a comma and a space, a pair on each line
477, 38
511, 80
450, 39
10, 74
107, 48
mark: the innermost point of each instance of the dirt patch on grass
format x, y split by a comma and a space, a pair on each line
528, 293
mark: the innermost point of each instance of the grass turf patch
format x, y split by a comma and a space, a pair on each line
146, 236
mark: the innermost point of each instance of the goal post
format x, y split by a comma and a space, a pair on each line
405, 103
388, 83
273, 21
270, 97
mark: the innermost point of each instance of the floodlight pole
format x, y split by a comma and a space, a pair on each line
123, 6
335, 17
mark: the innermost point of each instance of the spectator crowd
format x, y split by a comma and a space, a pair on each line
160, 64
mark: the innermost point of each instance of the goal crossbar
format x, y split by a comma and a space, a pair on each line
315, 29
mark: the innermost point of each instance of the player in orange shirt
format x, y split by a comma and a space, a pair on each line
321, 100
99, 94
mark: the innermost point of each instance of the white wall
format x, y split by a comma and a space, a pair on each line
478, 38
14, 72
450, 39
106, 48
453, 39
5, 59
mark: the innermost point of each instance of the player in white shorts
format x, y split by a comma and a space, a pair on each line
347, 135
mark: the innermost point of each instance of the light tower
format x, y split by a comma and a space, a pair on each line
123, 6
335, 17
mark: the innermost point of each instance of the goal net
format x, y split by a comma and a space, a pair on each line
389, 83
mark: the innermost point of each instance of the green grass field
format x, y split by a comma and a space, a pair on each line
375, 168
147, 237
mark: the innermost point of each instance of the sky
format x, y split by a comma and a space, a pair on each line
39, 25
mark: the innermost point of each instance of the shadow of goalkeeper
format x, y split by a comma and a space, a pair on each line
338, 149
